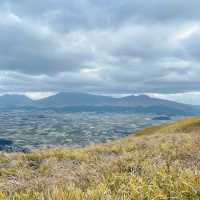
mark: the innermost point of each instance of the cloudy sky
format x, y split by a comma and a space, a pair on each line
101, 46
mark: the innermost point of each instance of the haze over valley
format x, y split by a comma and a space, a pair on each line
80, 119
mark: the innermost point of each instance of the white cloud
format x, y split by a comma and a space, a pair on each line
38, 95
187, 98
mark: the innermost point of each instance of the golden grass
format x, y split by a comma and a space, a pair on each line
159, 163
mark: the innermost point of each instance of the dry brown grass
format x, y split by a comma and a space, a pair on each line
160, 162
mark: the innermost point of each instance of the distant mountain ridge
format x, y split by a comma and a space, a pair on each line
15, 101
134, 103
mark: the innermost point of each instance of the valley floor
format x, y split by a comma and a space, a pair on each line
158, 163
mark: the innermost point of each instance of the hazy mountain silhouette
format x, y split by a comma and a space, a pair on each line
90, 102
14, 101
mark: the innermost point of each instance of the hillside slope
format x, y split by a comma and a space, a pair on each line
160, 163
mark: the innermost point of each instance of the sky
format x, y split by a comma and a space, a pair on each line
102, 47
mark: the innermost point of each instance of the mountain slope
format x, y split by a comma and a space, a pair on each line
160, 162
14, 101
141, 103
83, 99
75, 99
88, 102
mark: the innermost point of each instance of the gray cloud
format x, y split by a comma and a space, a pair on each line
99, 46
92, 13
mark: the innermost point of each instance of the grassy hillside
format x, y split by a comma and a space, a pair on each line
159, 163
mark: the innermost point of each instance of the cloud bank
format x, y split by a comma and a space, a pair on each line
100, 46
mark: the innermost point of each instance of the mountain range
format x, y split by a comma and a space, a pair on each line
89, 102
